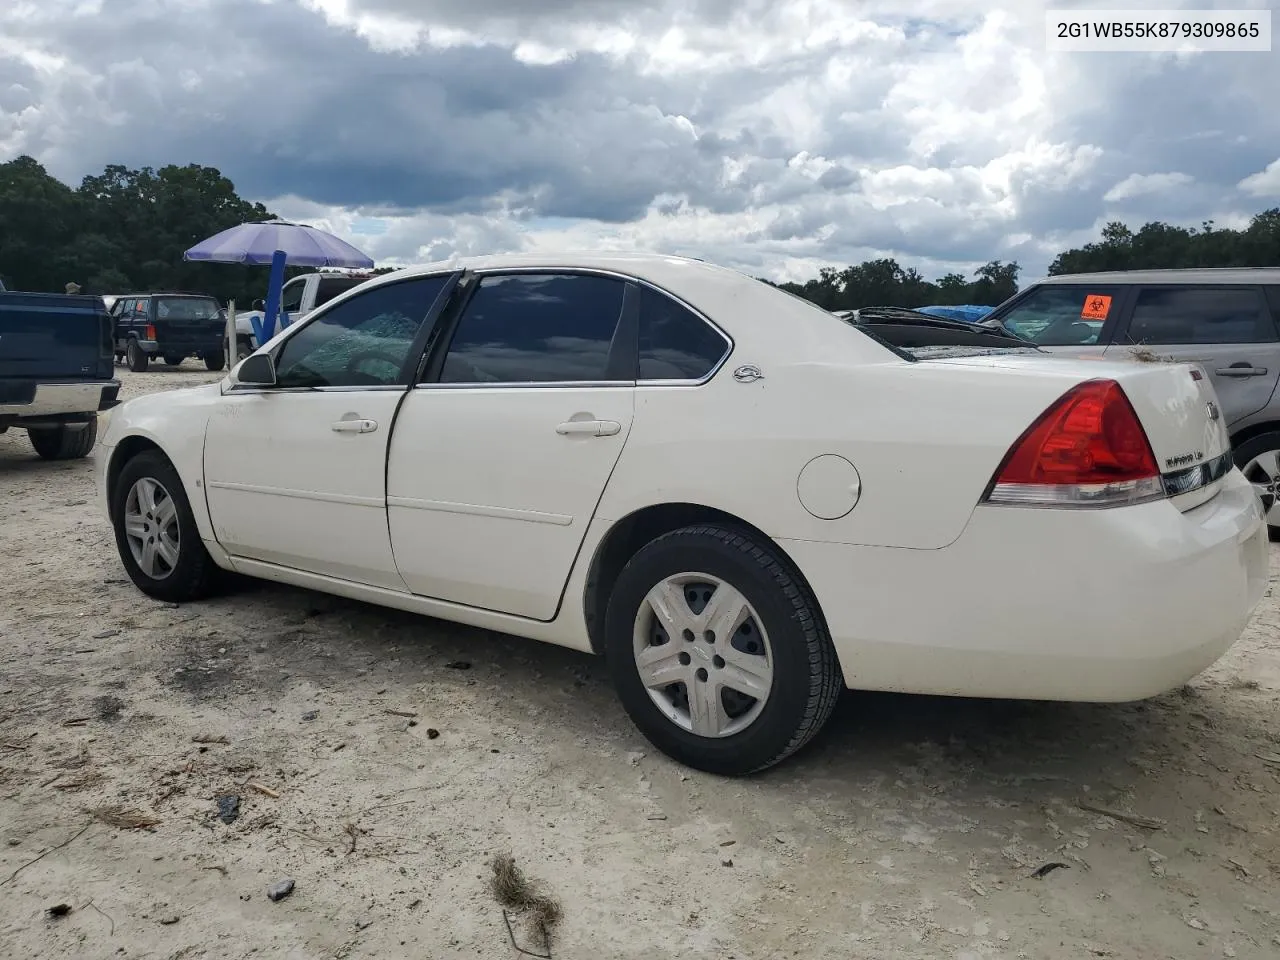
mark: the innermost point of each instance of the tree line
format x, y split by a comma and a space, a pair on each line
125, 230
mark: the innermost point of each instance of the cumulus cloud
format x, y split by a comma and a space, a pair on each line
772, 135
1264, 183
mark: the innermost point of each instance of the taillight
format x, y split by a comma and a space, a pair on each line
1088, 449
151, 331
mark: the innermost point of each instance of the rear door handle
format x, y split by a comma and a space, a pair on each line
1241, 370
354, 426
591, 428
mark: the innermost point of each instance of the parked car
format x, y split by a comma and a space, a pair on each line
55, 370
169, 325
1225, 320
298, 298
743, 502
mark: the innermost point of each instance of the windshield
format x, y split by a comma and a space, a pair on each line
186, 308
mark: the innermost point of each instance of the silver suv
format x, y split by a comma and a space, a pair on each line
1226, 320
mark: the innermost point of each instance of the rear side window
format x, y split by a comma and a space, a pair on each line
538, 328
1061, 315
675, 343
1184, 314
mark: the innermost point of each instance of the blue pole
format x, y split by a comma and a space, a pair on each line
273, 297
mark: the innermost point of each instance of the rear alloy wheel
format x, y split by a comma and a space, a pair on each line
137, 357
718, 653
215, 360
156, 532
1259, 461
64, 442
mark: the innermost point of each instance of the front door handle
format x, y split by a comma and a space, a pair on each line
1242, 369
354, 426
590, 428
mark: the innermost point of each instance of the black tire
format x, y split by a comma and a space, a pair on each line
194, 576
136, 357
243, 349
173, 359
215, 360
63, 443
806, 675
1247, 451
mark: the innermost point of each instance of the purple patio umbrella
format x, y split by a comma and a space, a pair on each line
277, 242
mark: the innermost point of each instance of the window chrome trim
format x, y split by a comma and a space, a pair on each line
239, 388
730, 344
534, 384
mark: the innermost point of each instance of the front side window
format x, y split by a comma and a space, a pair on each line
1062, 315
364, 341
675, 343
1184, 314
538, 328
291, 295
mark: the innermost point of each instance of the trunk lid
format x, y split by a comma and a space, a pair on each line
1176, 403
54, 337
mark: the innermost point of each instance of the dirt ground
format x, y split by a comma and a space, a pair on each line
402, 754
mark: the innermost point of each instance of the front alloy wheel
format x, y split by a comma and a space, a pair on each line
156, 534
151, 528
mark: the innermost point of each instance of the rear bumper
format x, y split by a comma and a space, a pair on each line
1087, 605
62, 400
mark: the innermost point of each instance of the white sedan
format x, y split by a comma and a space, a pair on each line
745, 503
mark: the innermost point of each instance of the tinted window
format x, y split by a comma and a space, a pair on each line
1060, 315
140, 308
291, 296
675, 344
330, 287
536, 328
364, 341
186, 308
1171, 315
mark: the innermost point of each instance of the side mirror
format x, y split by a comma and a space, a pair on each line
257, 370
260, 305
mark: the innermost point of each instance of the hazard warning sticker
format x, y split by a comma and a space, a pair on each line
1096, 307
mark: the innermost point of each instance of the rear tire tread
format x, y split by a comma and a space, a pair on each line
59, 443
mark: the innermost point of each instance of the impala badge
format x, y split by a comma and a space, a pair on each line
747, 373
1212, 410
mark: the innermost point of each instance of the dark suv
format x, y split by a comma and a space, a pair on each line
1227, 320
169, 325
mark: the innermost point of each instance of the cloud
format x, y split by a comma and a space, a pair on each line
1264, 183
771, 135
1146, 184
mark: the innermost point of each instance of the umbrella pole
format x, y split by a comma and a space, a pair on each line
273, 294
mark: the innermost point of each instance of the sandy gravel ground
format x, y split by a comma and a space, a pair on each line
912, 828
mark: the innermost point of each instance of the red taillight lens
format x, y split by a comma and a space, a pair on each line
151, 332
1088, 448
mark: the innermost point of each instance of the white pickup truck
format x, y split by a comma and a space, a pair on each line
299, 297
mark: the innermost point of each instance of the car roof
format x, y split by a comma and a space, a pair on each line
1208, 275
659, 269
165, 293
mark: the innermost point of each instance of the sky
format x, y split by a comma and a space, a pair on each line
774, 136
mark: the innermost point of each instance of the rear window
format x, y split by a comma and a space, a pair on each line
330, 287
1061, 315
1211, 314
186, 308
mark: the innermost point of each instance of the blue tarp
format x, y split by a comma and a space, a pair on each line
966, 312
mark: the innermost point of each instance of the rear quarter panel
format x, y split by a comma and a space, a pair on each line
925, 438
